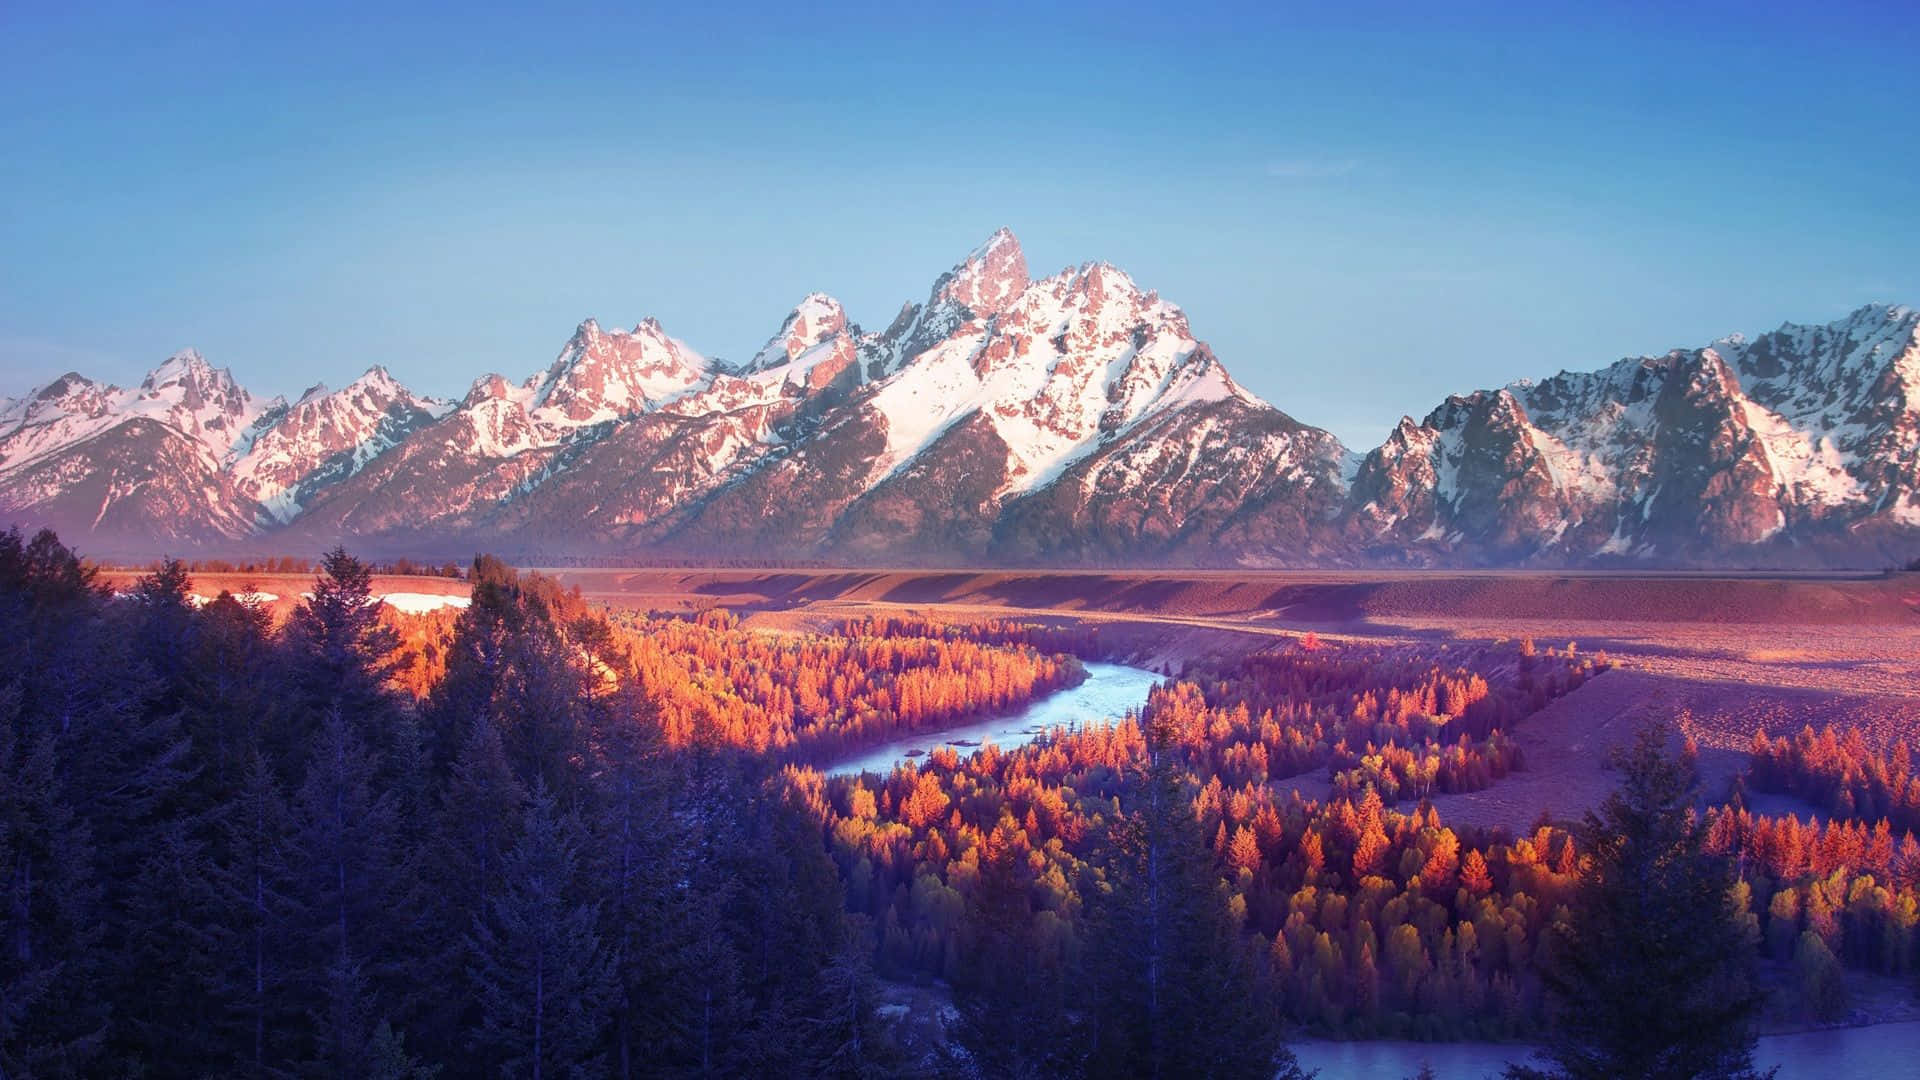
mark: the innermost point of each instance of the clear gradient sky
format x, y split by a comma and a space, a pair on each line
1361, 210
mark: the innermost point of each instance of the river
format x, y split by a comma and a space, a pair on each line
1110, 690
1880, 1050
1107, 693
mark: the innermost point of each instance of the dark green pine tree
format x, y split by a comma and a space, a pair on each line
163, 629
1010, 990
789, 911
1172, 990
259, 1010
640, 859
53, 1021
342, 657
90, 756
539, 972
514, 663
465, 865
350, 886
1654, 977
683, 966
232, 697
849, 1041
168, 996
154, 828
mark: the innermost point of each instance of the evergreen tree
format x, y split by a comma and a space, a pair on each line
1010, 989
52, 1021
848, 1041
350, 885
342, 657
1171, 990
641, 860
465, 869
258, 1014
541, 977
789, 918
1654, 975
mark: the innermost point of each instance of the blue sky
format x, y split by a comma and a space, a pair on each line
1362, 210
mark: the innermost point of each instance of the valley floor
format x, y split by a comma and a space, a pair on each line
1724, 655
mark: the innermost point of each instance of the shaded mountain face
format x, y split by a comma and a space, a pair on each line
1072, 418
1795, 447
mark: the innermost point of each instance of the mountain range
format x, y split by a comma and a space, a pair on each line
1069, 419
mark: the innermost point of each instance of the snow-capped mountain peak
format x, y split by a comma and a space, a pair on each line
326, 437
989, 279
814, 319
1076, 416
603, 375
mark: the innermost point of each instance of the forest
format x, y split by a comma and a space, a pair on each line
536, 838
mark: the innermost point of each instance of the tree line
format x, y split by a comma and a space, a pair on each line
235, 848
1839, 773
231, 849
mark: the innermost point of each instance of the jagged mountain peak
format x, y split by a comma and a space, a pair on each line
1073, 416
324, 437
988, 279
378, 380
184, 365
492, 386
603, 375
813, 320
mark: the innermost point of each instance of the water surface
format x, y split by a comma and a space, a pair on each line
1106, 695
1880, 1050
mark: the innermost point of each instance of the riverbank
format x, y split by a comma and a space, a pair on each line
1108, 693
1873, 1050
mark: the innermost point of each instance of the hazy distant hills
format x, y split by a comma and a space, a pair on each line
1068, 419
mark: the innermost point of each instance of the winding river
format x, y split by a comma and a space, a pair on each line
1875, 1051
1106, 695
1110, 690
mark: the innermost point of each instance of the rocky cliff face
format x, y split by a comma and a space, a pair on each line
1069, 418
1797, 446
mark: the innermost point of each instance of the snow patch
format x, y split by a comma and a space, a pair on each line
414, 603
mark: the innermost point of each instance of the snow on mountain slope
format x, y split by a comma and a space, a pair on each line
141, 462
1071, 418
1069, 363
327, 436
1799, 437
185, 393
815, 319
606, 375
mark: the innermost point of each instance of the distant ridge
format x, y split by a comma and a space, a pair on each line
1069, 419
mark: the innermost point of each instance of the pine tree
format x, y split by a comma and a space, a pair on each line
848, 1041
1009, 991
52, 1021
465, 866
1172, 991
1655, 975
683, 1005
789, 919
343, 657
251, 935
542, 979
350, 885
640, 850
